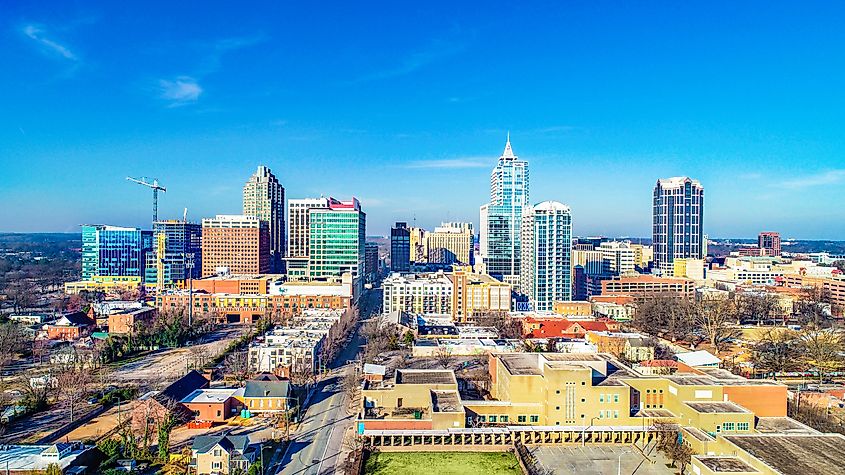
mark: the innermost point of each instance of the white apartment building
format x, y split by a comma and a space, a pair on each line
420, 293
546, 265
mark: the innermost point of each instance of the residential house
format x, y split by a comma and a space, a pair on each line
155, 406
556, 327
266, 396
70, 326
222, 454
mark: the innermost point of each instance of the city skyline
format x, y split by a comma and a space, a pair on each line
408, 112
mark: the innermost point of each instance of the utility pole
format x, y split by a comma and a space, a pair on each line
189, 266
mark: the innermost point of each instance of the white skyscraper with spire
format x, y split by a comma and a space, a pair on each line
501, 219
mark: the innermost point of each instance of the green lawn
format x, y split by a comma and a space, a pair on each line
442, 463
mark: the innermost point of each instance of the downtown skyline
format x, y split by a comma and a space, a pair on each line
596, 99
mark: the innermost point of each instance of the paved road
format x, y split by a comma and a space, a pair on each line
316, 446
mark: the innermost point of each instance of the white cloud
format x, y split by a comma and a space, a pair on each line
450, 163
435, 51
180, 91
830, 177
36, 33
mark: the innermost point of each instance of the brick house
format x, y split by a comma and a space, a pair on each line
154, 406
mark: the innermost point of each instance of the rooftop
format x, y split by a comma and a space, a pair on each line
209, 396
715, 407
726, 464
796, 454
425, 376
782, 425
699, 434
521, 363
446, 401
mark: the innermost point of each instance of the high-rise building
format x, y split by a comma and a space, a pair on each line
400, 248
617, 258
337, 239
264, 198
371, 262
236, 243
298, 229
769, 243
678, 226
450, 243
114, 251
176, 253
546, 273
501, 219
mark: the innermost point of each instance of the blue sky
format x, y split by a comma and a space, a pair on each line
406, 106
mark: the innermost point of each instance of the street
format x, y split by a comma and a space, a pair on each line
316, 446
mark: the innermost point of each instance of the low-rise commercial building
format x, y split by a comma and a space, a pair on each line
131, 321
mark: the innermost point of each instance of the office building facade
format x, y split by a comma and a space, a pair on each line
264, 198
176, 254
337, 239
450, 243
546, 273
371, 262
236, 243
500, 220
678, 218
114, 251
769, 243
400, 248
298, 228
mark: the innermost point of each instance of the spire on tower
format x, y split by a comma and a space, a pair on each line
508, 153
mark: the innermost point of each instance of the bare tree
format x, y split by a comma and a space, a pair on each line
13, 340
237, 366
717, 320
822, 350
444, 356
22, 293
73, 382
757, 308
506, 327
813, 307
666, 315
777, 351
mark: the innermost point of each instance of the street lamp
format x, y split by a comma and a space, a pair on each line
584, 432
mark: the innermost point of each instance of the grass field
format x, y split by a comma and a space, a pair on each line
442, 463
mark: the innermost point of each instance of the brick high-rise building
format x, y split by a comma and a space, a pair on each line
264, 198
769, 243
238, 243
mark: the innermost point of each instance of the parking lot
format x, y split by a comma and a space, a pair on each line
602, 459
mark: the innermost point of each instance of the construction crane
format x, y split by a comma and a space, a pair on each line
155, 186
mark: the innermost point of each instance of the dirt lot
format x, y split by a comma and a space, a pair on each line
160, 368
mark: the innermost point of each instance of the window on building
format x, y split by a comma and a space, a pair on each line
521, 419
615, 398
601, 397
616, 414
741, 426
535, 419
492, 418
503, 418
728, 426
482, 419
